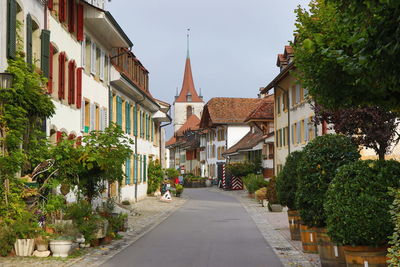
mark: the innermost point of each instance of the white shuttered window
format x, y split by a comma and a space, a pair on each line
102, 61
93, 58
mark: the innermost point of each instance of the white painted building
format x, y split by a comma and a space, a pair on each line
223, 124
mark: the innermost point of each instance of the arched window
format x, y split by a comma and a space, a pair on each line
189, 111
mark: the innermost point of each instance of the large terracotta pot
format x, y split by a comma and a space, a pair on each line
361, 256
330, 254
308, 239
294, 224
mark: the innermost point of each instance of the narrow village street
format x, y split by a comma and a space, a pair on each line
211, 229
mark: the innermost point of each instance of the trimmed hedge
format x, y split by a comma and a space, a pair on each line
320, 161
286, 181
394, 250
358, 203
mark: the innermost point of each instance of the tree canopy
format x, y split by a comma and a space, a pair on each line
346, 52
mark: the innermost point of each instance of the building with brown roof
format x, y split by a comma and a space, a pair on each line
258, 143
223, 124
293, 115
184, 147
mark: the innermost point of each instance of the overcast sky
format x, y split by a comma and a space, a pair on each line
233, 43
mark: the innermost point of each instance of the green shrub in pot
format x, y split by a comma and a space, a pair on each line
358, 203
253, 182
321, 158
394, 250
286, 181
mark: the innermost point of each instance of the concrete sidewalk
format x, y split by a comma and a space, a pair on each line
274, 226
147, 214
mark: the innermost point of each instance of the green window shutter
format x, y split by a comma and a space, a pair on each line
128, 171
128, 117
29, 59
144, 168
135, 170
45, 52
119, 111
11, 28
111, 108
135, 120
152, 130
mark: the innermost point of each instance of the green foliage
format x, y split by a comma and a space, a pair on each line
357, 203
345, 52
64, 231
271, 192
116, 222
85, 219
253, 182
26, 228
22, 110
171, 172
241, 169
155, 177
286, 181
319, 163
96, 162
54, 206
7, 239
179, 188
394, 249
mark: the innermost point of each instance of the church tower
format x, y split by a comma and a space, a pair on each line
188, 102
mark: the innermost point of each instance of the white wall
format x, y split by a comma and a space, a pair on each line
235, 133
180, 112
35, 8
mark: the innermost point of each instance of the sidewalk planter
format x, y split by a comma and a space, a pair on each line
24, 247
294, 224
330, 254
308, 239
275, 207
60, 248
41, 244
208, 182
361, 256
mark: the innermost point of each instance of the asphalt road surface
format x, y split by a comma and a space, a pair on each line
211, 229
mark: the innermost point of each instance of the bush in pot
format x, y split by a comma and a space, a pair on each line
273, 203
286, 187
321, 158
319, 163
358, 206
394, 250
61, 241
253, 182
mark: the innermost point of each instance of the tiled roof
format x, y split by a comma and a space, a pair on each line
225, 110
188, 85
192, 123
250, 140
171, 141
264, 111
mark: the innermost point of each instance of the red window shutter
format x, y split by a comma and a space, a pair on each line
80, 18
61, 82
71, 15
62, 10
58, 136
50, 4
71, 82
79, 87
50, 81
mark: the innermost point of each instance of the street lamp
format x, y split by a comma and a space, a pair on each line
6, 80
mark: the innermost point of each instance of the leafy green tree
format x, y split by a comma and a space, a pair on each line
156, 175
95, 163
346, 52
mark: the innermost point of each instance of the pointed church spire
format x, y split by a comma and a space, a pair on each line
188, 37
188, 92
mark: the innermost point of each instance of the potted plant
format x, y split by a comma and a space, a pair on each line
178, 190
62, 239
7, 239
273, 203
319, 163
261, 194
286, 187
358, 210
26, 230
